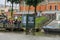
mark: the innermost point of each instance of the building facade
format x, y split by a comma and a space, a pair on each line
48, 5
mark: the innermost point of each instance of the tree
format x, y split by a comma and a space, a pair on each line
13, 1
28, 2
33, 3
17, 2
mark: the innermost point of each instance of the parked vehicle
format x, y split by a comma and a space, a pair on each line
51, 29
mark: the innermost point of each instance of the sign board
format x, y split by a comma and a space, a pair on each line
30, 20
24, 20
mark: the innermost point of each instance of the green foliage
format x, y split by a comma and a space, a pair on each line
36, 2
10, 1
14, 1
40, 21
33, 2
19, 18
29, 2
17, 1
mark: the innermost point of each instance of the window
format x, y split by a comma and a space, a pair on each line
56, 7
50, 7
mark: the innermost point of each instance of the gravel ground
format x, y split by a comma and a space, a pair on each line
21, 36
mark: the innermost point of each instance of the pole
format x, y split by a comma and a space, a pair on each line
34, 18
27, 29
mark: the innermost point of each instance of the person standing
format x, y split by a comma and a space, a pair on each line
15, 23
5, 21
18, 24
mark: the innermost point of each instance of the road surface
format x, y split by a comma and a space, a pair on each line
21, 36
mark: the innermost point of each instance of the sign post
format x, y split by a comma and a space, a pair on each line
28, 21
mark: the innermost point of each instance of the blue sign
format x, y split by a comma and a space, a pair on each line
24, 20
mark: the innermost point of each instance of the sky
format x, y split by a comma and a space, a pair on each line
7, 3
3, 2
